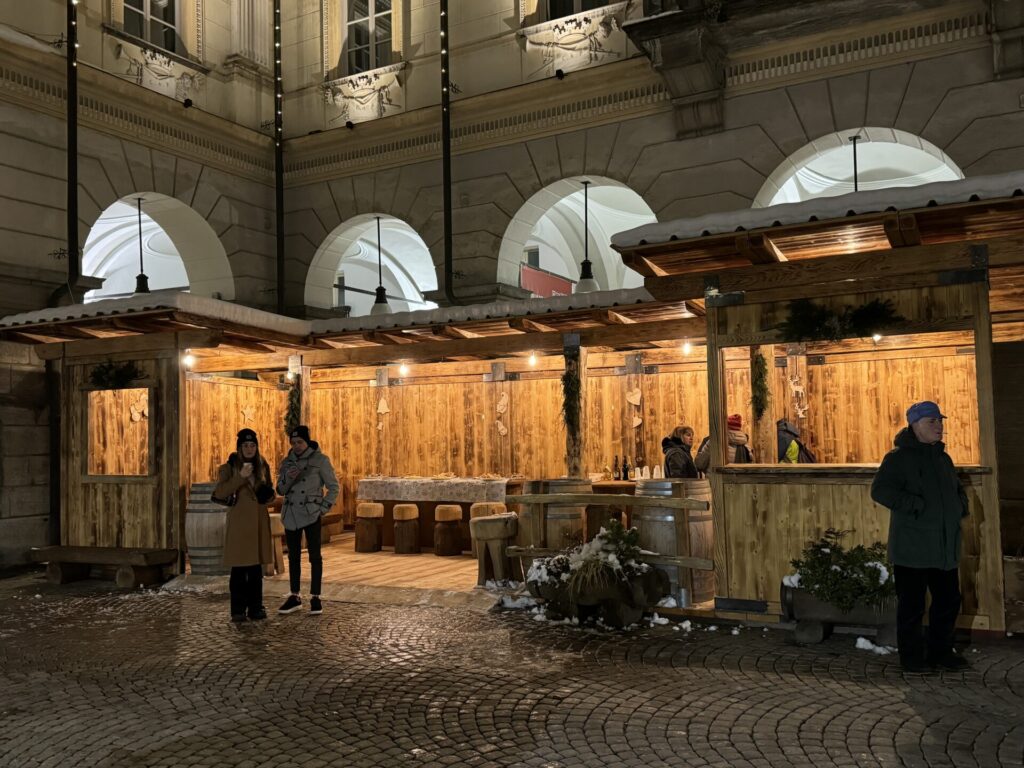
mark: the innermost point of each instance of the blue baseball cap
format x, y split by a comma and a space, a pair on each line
924, 410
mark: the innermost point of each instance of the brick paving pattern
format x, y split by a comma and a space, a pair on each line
126, 680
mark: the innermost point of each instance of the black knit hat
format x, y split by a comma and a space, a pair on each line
301, 431
246, 436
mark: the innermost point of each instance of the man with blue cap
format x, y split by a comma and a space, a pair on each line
919, 484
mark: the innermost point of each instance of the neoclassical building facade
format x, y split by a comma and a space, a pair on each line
667, 108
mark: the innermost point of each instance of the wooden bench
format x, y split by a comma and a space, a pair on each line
134, 566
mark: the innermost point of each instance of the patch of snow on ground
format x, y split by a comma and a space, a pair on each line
667, 602
517, 603
791, 580
735, 631
686, 626
863, 644
656, 619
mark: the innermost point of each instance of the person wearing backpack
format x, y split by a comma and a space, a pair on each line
677, 448
739, 453
791, 450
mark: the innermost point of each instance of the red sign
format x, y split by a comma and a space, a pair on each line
543, 284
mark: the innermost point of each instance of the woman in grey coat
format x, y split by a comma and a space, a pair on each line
303, 476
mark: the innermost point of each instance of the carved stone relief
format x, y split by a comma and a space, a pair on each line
366, 96
157, 72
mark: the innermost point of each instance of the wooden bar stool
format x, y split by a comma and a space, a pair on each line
447, 534
369, 518
407, 529
492, 533
484, 509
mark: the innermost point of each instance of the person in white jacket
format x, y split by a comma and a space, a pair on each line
303, 476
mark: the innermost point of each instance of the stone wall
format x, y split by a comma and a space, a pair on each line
24, 454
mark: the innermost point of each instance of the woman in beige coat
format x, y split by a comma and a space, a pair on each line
246, 482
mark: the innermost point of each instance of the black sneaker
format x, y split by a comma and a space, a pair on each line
950, 660
315, 607
258, 615
290, 605
238, 617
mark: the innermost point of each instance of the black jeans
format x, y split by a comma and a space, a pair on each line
316, 562
911, 585
246, 586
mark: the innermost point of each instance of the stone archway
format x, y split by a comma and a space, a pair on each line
886, 157
552, 221
180, 249
407, 267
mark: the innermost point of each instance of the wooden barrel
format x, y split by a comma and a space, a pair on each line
565, 523
204, 531
658, 533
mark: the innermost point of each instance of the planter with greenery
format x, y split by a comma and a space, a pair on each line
603, 578
833, 585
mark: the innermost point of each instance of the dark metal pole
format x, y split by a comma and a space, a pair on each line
74, 258
279, 156
380, 271
856, 183
586, 221
446, 156
141, 281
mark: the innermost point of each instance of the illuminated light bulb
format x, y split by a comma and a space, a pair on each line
687, 347
876, 337
533, 359
188, 360
403, 369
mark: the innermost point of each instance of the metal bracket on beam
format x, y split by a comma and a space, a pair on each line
635, 363
382, 377
963, 276
651, 368
724, 299
815, 359
571, 342
781, 362
497, 371
979, 255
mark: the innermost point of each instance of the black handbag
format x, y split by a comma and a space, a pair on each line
230, 501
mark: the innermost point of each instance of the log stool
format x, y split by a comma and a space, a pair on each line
369, 517
492, 534
407, 529
447, 533
485, 509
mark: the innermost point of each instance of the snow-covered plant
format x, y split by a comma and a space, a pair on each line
844, 577
612, 555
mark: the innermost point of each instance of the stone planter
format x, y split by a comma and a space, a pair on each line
618, 605
815, 618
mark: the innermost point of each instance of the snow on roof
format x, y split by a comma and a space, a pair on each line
492, 311
873, 201
202, 306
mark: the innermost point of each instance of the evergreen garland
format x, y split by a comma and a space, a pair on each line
571, 403
293, 412
808, 321
111, 375
759, 385
845, 578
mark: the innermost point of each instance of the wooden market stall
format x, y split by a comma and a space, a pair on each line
947, 262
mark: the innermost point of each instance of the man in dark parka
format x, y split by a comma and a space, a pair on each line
918, 483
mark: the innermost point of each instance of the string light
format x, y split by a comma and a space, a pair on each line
687, 347
403, 369
533, 358
876, 337
188, 359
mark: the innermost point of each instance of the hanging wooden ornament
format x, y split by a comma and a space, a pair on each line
503, 403
637, 421
382, 406
139, 408
248, 413
502, 429
634, 397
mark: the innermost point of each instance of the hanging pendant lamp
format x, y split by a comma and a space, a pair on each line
587, 283
380, 303
141, 281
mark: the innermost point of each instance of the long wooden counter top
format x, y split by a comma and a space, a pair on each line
824, 474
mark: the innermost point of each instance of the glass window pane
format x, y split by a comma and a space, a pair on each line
136, 4
382, 27
358, 60
359, 34
133, 23
161, 35
358, 9
559, 8
590, 5
163, 10
382, 6
383, 54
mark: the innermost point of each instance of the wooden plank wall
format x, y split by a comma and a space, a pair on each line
118, 511
218, 407
768, 522
1008, 391
118, 445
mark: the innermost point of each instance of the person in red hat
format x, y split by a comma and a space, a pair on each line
739, 453
919, 484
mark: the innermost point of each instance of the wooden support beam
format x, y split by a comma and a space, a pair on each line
141, 344
793, 277
611, 317
719, 446
506, 345
218, 363
759, 248
623, 499
454, 332
388, 337
528, 325
237, 329
250, 345
575, 355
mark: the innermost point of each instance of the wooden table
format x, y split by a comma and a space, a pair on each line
427, 493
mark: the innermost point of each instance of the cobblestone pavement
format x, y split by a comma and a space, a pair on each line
117, 680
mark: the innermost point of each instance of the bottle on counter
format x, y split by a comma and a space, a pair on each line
625, 468
616, 472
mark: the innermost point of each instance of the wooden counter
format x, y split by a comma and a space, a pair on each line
768, 513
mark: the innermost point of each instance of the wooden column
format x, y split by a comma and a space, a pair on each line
575, 364
990, 549
634, 442
306, 400
719, 445
762, 430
